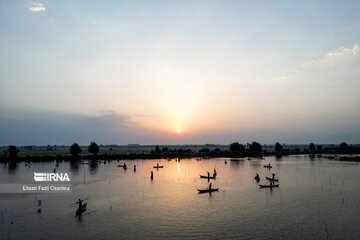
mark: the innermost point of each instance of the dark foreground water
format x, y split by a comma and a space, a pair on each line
317, 199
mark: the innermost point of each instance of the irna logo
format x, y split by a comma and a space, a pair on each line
49, 177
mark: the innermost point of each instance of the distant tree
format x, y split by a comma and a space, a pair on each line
217, 150
93, 148
255, 147
236, 147
319, 148
75, 150
157, 149
204, 150
165, 149
343, 146
312, 147
278, 147
13, 151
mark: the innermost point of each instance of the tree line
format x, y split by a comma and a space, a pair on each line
254, 148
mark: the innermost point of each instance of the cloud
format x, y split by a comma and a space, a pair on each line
42, 127
346, 58
36, 7
146, 116
46, 127
333, 56
24, 127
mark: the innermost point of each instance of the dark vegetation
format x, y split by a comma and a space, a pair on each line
75, 150
312, 147
237, 147
13, 151
278, 148
254, 149
93, 148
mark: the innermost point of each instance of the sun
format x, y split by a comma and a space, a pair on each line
178, 131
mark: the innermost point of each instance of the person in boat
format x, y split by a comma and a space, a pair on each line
214, 172
257, 177
134, 168
273, 175
210, 187
80, 202
152, 175
208, 174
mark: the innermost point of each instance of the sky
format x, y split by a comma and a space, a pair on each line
179, 72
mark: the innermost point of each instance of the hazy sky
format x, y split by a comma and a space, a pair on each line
137, 71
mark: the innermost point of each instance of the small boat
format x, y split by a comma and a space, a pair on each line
158, 166
120, 165
272, 179
208, 190
267, 166
208, 177
80, 211
268, 186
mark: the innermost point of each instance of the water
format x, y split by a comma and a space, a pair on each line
317, 199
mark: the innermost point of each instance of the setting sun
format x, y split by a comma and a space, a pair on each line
178, 131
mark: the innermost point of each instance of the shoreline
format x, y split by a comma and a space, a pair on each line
355, 157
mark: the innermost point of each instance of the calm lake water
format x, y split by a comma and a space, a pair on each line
317, 199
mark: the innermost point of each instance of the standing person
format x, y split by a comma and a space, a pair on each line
210, 187
80, 203
273, 178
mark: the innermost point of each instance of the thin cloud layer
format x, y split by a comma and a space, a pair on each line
46, 127
340, 57
36, 7
341, 52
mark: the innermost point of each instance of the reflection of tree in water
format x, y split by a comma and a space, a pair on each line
12, 167
255, 165
74, 166
235, 163
93, 164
